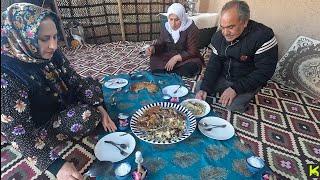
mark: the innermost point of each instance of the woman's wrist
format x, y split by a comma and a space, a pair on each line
101, 109
179, 57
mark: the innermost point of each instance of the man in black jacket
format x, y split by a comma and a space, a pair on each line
244, 58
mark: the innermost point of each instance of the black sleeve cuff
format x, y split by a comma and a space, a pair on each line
204, 86
237, 89
56, 166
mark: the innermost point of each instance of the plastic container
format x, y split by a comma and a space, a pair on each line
123, 121
255, 164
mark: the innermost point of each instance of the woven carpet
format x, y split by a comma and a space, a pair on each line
281, 126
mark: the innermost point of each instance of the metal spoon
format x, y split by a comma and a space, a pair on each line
217, 126
123, 146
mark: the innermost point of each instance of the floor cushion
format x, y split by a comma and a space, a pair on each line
299, 68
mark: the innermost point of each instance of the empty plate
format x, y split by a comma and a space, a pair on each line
107, 152
175, 91
218, 133
116, 83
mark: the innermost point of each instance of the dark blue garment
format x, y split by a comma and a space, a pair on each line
39, 114
44, 103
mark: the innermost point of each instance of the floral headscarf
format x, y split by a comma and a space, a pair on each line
19, 39
19, 31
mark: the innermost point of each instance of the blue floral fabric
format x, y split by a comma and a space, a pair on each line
197, 157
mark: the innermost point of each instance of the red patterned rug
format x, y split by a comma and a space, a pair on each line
281, 126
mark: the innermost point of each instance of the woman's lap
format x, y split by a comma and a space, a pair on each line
82, 121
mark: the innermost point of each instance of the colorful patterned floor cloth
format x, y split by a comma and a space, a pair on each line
281, 126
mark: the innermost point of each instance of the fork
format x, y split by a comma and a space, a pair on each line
122, 152
177, 89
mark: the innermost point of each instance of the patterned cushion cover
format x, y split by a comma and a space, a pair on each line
299, 68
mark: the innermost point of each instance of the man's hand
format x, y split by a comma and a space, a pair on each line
227, 96
202, 95
172, 62
107, 122
150, 50
69, 172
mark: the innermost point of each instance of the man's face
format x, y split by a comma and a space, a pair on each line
174, 21
47, 38
231, 25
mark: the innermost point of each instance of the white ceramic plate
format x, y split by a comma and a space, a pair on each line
169, 90
107, 152
116, 83
191, 123
217, 133
205, 105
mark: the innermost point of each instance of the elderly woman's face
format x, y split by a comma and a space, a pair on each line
47, 38
174, 21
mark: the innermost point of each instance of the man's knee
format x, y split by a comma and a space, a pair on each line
241, 102
238, 108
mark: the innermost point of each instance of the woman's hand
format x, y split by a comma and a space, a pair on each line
150, 50
69, 172
107, 123
172, 62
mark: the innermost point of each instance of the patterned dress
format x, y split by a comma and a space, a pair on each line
36, 119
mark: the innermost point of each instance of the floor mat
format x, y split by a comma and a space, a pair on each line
281, 126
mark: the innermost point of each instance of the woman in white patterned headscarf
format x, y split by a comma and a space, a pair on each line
177, 21
176, 50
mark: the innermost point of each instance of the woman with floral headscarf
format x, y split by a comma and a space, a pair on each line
176, 50
44, 101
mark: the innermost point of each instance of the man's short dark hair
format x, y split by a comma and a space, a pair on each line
242, 8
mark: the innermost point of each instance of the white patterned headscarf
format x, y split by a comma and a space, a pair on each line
178, 9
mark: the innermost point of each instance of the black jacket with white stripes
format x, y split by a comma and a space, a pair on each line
249, 61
